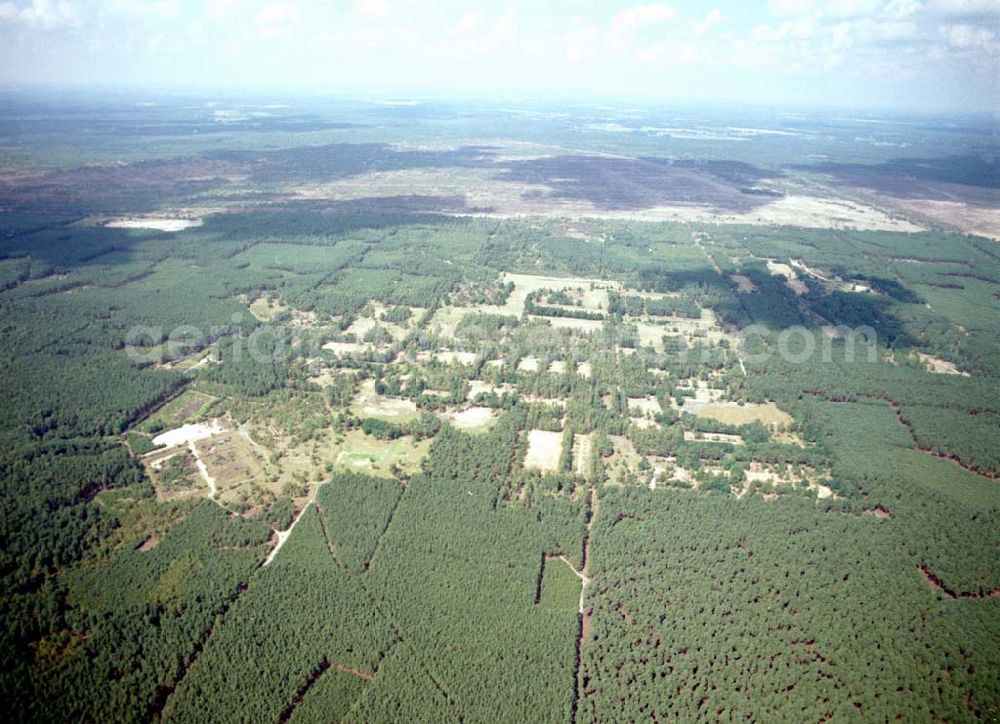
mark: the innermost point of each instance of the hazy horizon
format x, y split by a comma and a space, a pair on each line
885, 55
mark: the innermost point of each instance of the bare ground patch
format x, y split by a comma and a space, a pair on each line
544, 448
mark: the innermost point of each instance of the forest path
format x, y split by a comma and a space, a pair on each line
213, 487
283, 535
245, 434
711, 260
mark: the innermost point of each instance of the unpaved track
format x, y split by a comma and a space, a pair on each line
283, 535
213, 488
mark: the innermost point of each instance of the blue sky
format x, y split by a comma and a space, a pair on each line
918, 54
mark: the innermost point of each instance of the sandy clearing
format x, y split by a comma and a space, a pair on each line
799, 264
648, 404
361, 326
528, 364
703, 395
581, 454
525, 284
156, 224
446, 318
791, 278
969, 218
822, 492
743, 282
643, 423
190, 433
732, 413
472, 418
389, 407
465, 358
940, 366
354, 459
371, 403
478, 387
544, 448
344, 347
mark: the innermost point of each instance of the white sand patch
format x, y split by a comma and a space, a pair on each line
213, 488
389, 407
703, 395
360, 327
465, 358
544, 448
473, 418
528, 364
822, 492
791, 210
446, 318
648, 404
190, 433
643, 423
344, 347
940, 366
371, 403
156, 224
478, 387
792, 280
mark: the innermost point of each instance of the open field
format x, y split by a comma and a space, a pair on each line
543, 450
187, 406
732, 413
473, 419
367, 403
230, 461
364, 453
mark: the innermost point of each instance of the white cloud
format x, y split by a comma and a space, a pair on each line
964, 37
641, 16
901, 9
629, 25
40, 12
791, 8
218, 9
152, 9
713, 18
375, 9
273, 21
